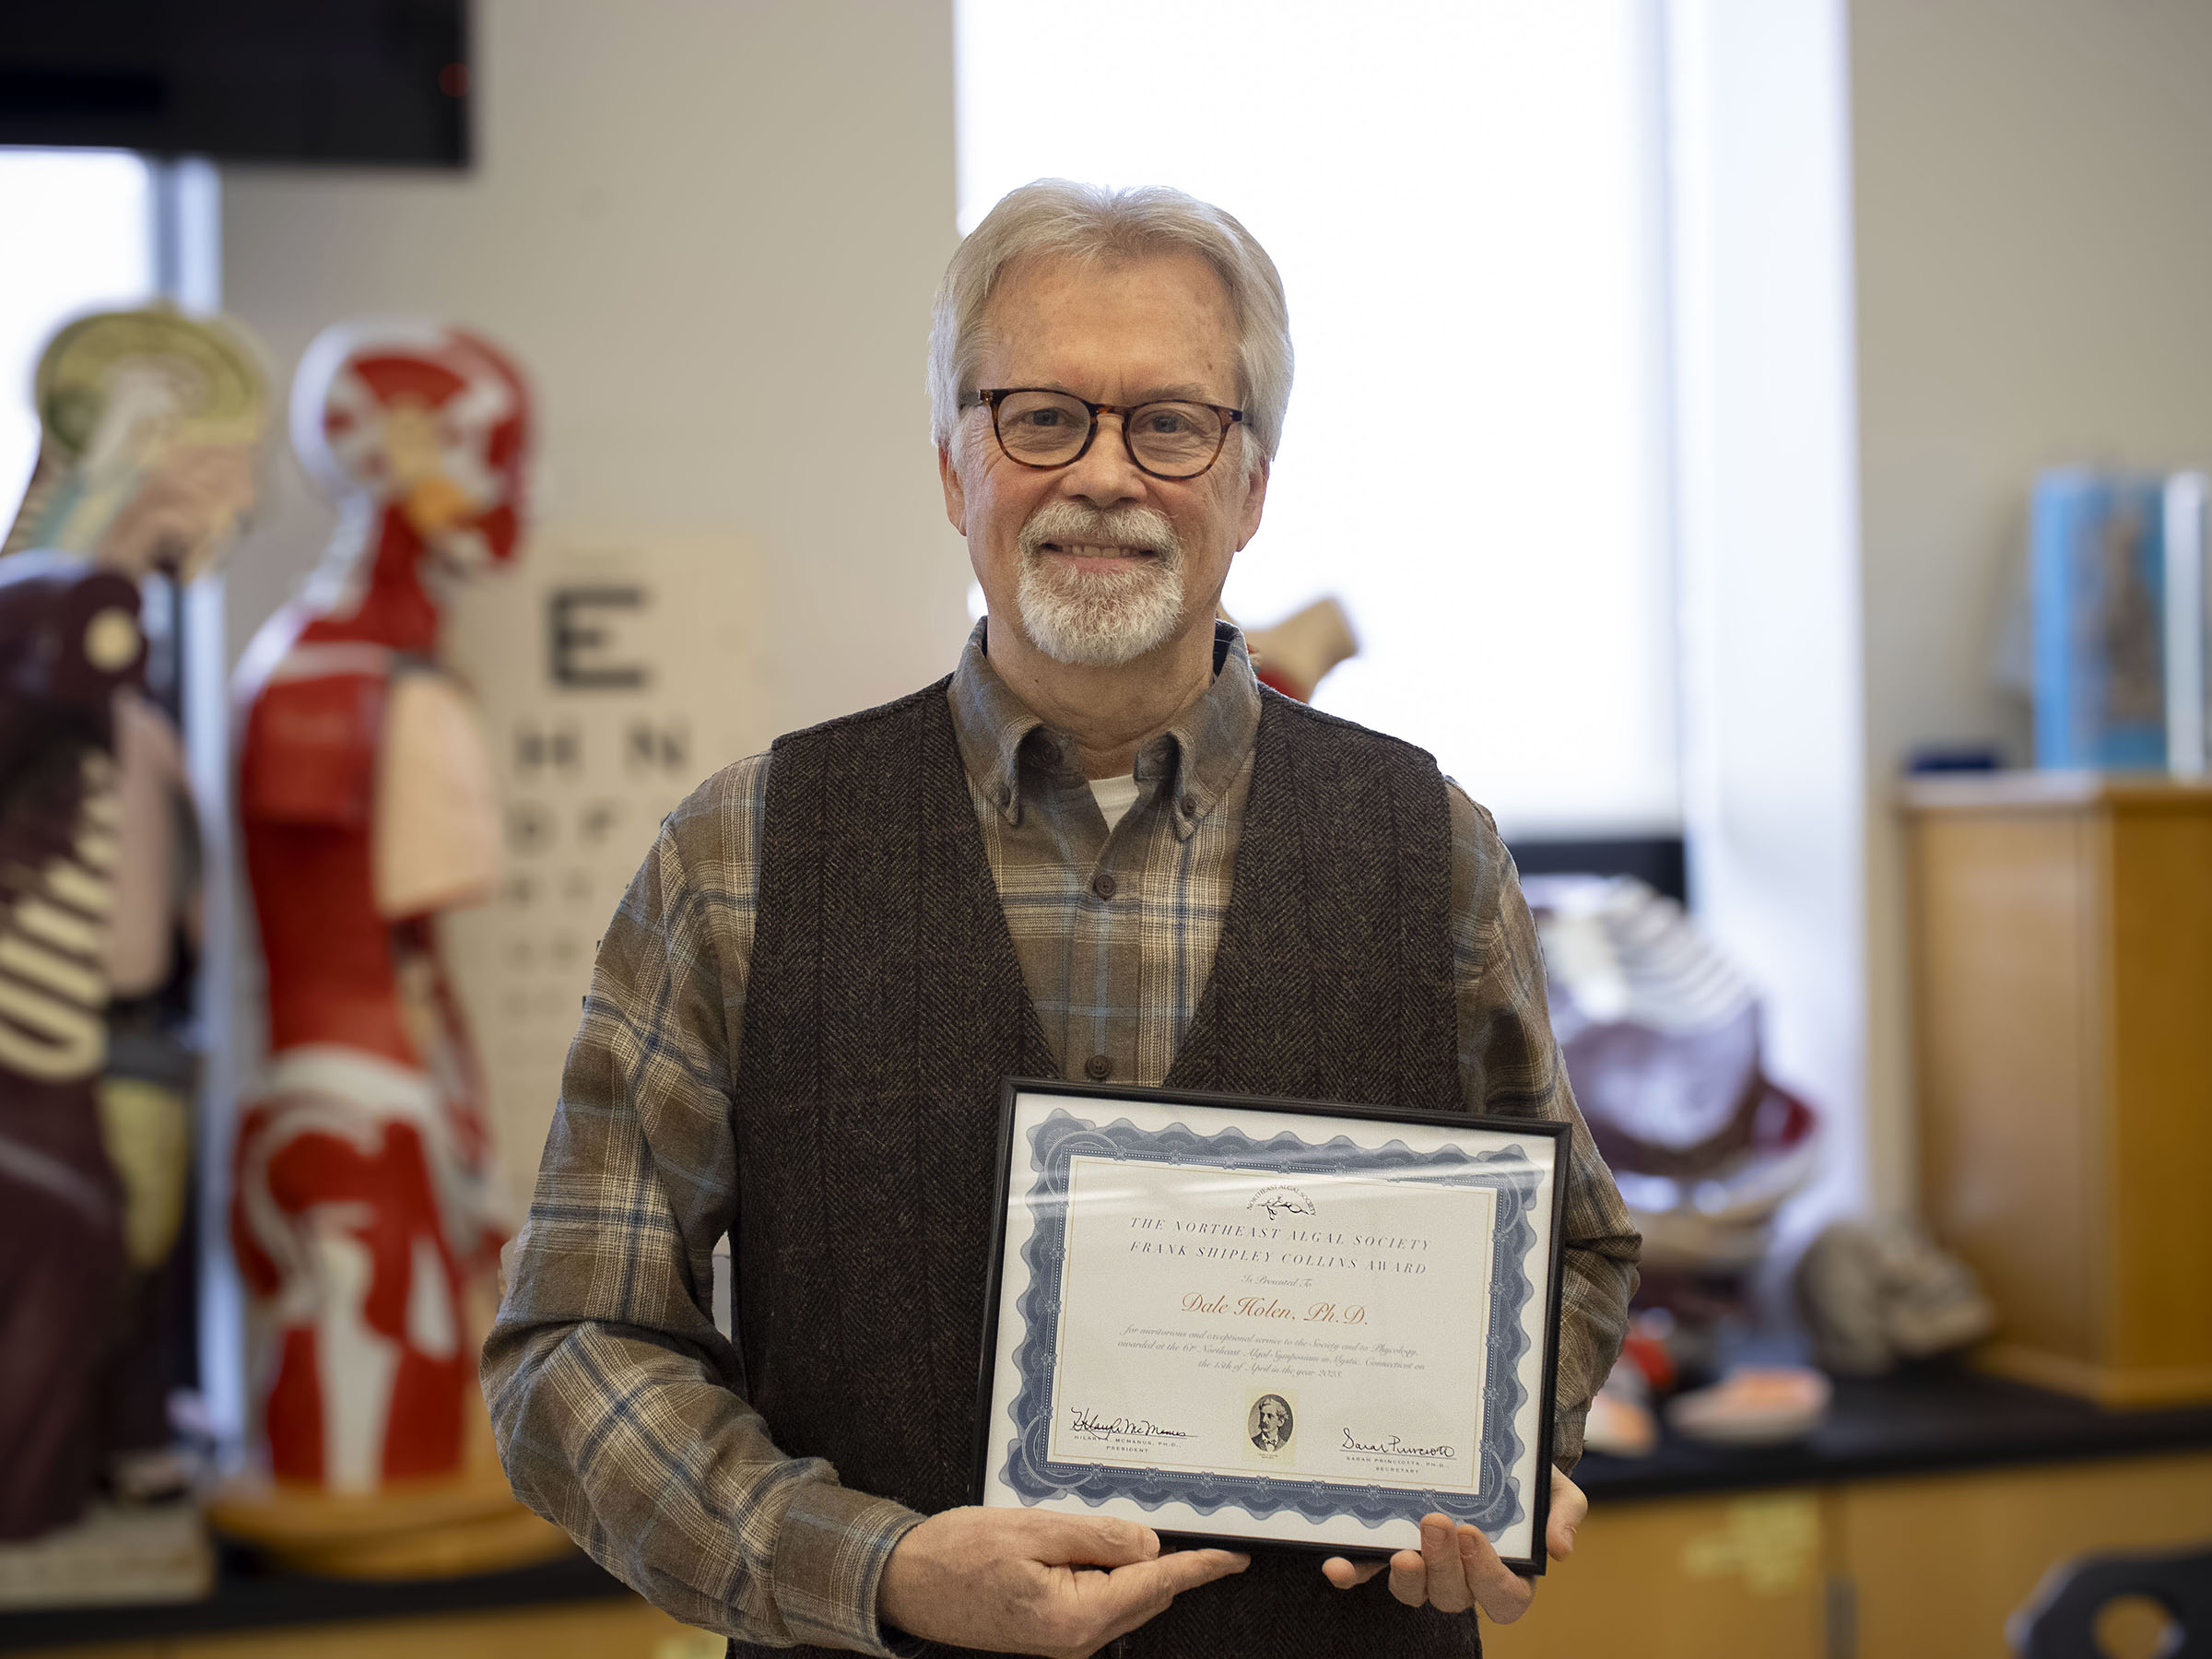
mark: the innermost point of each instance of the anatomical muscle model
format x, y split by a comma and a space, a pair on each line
1296, 655
149, 424
362, 1208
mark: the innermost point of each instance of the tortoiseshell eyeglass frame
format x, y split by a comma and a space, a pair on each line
991, 397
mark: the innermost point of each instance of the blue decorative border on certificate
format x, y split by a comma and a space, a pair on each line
1496, 1503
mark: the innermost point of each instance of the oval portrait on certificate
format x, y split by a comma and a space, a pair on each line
1270, 1424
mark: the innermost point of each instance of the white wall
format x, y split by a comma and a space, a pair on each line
2034, 263
710, 231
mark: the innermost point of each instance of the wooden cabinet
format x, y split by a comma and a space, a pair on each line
2062, 928
1683, 1578
1937, 1565
1888, 1569
612, 1628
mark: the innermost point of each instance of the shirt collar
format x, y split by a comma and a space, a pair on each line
1202, 751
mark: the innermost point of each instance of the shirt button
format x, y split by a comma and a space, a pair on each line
1103, 885
1098, 1068
1005, 795
1048, 751
1190, 806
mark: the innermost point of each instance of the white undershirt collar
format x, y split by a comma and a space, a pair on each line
1114, 796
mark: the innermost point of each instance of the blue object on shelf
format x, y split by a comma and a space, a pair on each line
2097, 574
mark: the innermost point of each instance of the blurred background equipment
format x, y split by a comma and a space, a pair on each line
382, 81
1876, 1294
149, 423
1661, 1037
1753, 1405
1623, 1419
366, 1206
2071, 1612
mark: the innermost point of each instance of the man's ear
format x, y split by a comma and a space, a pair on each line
956, 498
1256, 499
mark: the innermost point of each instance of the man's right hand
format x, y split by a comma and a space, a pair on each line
1030, 1582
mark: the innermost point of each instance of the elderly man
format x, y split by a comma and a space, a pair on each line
1098, 850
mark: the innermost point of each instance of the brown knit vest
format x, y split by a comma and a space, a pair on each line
885, 1006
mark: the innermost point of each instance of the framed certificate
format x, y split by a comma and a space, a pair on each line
1271, 1323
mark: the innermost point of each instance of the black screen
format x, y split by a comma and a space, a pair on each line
381, 81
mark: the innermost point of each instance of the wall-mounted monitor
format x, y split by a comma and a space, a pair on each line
350, 81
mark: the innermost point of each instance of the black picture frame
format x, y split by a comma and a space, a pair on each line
1534, 1564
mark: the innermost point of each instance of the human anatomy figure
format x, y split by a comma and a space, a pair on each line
363, 1197
1296, 655
149, 426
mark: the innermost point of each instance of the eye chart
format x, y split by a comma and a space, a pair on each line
614, 674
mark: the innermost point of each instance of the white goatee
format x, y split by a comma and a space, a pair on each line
1099, 618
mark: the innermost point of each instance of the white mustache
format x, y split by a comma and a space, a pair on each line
1066, 523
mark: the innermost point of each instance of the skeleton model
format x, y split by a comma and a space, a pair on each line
362, 1205
149, 424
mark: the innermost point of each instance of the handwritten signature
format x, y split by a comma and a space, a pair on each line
1098, 1428
1391, 1446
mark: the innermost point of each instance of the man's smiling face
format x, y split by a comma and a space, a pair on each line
1099, 562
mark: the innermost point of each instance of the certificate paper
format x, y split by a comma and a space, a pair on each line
1270, 1322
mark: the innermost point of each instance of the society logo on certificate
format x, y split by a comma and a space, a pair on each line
1269, 1321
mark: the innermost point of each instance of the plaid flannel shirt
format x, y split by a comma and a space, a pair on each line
617, 1403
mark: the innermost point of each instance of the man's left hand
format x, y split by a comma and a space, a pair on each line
1455, 1567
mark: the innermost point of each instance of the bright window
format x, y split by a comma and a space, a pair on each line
1465, 200
79, 235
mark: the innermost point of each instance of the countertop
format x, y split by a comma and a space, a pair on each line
1919, 1423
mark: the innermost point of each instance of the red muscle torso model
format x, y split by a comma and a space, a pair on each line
361, 1205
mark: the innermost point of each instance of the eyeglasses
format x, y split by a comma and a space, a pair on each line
1045, 429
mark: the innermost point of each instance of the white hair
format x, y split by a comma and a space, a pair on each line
1054, 217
